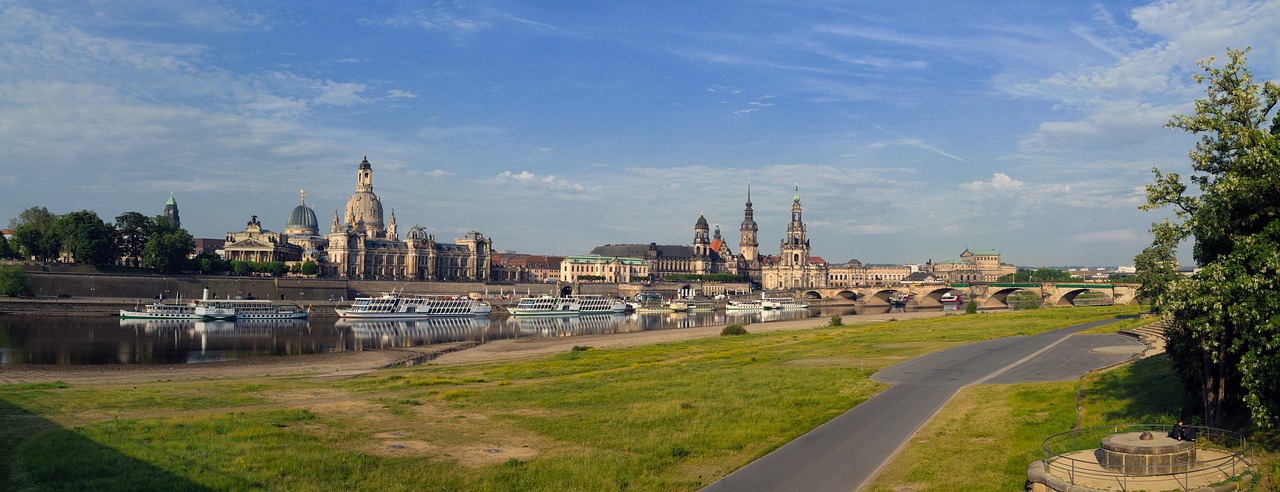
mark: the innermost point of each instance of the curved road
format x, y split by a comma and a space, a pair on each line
844, 453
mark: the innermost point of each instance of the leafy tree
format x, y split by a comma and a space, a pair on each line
1037, 275
34, 234
133, 230
14, 280
6, 252
86, 238
168, 248
310, 267
1225, 319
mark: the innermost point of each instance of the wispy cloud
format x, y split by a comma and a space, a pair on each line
919, 143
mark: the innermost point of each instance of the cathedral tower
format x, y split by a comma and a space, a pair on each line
748, 247
794, 250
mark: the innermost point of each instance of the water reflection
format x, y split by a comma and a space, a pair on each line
105, 341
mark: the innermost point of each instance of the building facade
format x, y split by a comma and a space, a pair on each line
611, 269
361, 245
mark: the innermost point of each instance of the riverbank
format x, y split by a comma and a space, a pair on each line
352, 363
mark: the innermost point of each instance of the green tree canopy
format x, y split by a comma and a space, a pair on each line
33, 231
133, 230
14, 280
86, 238
6, 252
168, 248
1225, 318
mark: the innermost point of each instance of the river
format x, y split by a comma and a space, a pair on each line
71, 340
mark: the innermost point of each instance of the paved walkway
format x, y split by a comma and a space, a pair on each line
846, 452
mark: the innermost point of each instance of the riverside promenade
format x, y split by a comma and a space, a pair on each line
846, 452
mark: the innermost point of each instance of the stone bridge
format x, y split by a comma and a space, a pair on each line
988, 296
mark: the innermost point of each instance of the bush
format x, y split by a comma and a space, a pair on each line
733, 330
836, 321
581, 348
971, 307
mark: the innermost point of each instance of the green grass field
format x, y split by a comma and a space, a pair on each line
672, 416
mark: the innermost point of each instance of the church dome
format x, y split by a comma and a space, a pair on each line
302, 220
702, 223
364, 206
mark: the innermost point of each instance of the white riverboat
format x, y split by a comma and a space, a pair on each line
743, 306
161, 310
568, 306
780, 303
394, 305
247, 309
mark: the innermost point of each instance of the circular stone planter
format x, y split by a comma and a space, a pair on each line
1129, 454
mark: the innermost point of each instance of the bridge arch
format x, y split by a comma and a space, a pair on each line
932, 295
813, 294
1000, 298
1084, 297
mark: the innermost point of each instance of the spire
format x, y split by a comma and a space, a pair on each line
304, 196
748, 191
797, 198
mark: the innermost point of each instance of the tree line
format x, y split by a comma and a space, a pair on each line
134, 240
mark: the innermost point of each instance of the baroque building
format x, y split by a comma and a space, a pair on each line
794, 267
361, 245
974, 265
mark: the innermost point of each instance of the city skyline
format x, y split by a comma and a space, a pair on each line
913, 132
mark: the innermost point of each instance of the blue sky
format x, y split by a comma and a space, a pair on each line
913, 130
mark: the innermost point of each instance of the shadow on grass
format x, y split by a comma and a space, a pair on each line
36, 454
1145, 391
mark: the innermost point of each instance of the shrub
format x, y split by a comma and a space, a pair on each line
581, 348
733, 330
836, 321
971, 307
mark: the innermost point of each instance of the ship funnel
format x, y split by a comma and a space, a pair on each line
206, 293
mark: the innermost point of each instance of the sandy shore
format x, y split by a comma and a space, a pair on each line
347, 364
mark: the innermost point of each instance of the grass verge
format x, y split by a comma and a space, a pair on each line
672, 416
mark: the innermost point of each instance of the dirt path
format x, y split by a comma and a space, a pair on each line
347, 364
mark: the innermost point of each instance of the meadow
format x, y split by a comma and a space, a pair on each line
671, 416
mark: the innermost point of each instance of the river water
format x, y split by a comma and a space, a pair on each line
108, 340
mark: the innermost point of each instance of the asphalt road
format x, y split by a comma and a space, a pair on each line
847, 451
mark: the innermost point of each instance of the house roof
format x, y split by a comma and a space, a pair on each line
642, 250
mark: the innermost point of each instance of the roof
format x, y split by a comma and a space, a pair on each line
597, 259
642, 250
526, 260
817, 260
717, 244
982, 252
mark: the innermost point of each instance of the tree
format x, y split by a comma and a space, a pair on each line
1225, 319
34, 234
5, 251
310, 267
14, 280
86, 238
168, 248
133, 230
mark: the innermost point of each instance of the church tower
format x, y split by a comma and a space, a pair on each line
794, 250
701, 237
748, 247
364, 208
171, 212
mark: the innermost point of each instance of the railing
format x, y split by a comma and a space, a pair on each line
1235, 454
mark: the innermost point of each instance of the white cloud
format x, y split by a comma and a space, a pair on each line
548, 182
439, 173
1000, 182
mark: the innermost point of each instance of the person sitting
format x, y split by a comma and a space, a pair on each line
1177, 431
1188, 434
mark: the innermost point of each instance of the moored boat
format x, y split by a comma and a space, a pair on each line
394, 305
161, 310
568, 306
247, 309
